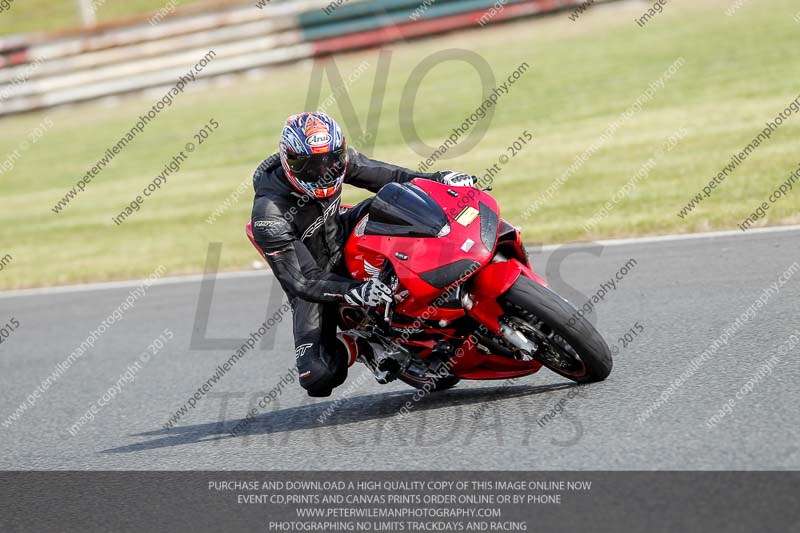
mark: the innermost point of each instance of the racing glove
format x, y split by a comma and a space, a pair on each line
457, 179
371, 294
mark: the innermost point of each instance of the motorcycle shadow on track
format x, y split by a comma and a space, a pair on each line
345, 411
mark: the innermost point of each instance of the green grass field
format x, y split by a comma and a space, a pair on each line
739, 72
25, 16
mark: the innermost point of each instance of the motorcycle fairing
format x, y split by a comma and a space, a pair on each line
464, 245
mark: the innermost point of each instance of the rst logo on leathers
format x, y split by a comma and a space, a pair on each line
302, 349
330, 210
270, 227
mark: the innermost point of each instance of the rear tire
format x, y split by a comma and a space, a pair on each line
555, 320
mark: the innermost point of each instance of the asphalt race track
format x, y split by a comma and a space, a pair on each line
684, 293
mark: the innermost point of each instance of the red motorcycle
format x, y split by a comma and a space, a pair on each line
467, 304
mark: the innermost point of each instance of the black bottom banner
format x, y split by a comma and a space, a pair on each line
334, 502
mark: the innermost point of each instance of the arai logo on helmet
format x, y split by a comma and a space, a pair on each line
318, 139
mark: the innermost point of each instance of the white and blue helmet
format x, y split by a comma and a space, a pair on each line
314, 154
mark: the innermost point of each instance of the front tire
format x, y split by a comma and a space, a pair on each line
568, 345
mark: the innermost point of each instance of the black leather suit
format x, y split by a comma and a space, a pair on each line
302, 240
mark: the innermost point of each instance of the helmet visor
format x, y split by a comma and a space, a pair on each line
319, 170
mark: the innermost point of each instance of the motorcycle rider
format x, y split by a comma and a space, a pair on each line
299, 227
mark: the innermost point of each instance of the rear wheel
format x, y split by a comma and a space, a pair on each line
541, 325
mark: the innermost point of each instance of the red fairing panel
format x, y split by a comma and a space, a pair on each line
469, 363
365, 253
490, 283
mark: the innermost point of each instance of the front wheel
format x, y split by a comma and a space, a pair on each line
539, 324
